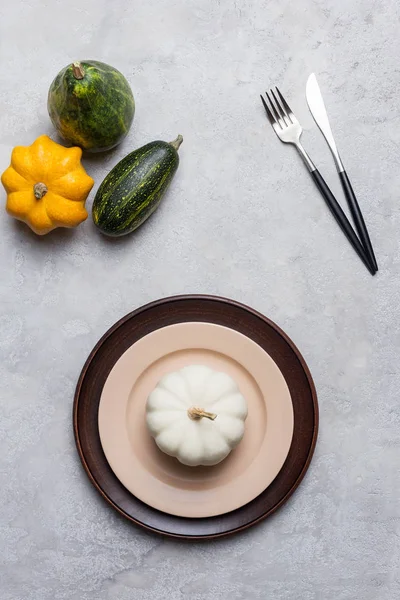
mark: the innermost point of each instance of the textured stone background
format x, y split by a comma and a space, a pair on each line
242, 219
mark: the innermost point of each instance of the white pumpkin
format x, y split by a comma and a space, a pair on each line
197, 415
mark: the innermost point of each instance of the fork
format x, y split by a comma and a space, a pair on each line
289, 130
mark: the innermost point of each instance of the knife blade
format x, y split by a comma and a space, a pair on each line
317, 108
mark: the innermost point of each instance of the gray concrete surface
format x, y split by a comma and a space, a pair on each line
242, 219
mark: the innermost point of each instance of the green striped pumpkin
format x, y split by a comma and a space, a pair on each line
91, 105
133, 189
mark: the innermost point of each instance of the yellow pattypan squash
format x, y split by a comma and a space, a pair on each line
46, 185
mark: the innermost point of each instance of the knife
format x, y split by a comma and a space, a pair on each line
318, 111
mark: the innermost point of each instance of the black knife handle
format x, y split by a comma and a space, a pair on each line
357, 217
341, 218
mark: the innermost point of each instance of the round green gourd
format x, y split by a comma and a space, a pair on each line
133, 189
91, 105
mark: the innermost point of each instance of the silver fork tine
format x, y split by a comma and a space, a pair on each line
278, 118
286, 106
281, 111
269, 113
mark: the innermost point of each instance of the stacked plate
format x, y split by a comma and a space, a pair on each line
156, 491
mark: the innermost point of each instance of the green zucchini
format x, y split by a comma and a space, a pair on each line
133, 189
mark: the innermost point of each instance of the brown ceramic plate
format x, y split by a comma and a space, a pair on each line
195, 309
162, 481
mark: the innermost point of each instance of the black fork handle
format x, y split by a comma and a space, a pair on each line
341, 219
357, 217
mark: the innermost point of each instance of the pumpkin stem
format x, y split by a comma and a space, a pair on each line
197, 413
176, 143
40, 189
77, 70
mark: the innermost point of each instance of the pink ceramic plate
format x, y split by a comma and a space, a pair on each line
161, 481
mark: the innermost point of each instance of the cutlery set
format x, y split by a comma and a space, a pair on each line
289, 130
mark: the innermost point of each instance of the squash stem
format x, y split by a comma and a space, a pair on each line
39, 190
77, 70
197, 413
176, 143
